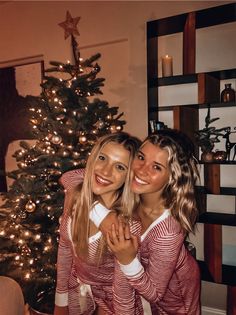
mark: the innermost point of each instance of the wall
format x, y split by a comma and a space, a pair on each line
116, 29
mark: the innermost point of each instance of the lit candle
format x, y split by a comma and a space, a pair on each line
167, 66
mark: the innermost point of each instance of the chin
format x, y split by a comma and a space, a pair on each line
136, 189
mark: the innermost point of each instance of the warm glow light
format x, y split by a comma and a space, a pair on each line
27, 275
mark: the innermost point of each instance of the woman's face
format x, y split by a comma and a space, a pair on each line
110, 170
150, 170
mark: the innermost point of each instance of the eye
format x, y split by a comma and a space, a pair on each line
140, 156
120, 167
101, 157
157, 167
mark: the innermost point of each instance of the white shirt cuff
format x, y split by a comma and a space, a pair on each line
61, 299
132, 269
98, 213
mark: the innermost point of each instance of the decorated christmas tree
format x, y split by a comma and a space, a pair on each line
66, 119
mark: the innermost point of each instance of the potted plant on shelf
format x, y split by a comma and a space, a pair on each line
208, 136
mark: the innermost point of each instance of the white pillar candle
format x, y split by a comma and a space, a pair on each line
167, 66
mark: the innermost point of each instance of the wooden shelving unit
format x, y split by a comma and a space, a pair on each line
186, 118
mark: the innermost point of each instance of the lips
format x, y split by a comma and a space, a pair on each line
140, 181
102, 181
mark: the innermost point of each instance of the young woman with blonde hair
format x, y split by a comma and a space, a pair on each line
159, 267
85, 267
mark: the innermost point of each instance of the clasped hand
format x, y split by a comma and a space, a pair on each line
122, 243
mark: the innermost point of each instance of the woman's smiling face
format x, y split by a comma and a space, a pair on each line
110, 170
150, 170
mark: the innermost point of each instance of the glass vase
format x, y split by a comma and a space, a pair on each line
228, 94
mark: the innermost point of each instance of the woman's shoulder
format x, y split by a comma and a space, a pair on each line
168, 226
72, 178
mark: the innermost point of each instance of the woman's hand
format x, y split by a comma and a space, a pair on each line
122, 243
106, 224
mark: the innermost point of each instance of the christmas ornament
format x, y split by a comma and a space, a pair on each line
30, 206
70, 25
56, 139
82, 139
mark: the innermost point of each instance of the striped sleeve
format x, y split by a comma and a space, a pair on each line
72, 178
65, 255
125, 298
152, 282
64, 264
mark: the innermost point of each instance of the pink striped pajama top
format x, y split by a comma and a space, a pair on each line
82, 284
167, 275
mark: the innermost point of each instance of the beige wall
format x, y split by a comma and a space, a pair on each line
116, 29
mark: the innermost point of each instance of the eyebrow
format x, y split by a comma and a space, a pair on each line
156, 163
124, 165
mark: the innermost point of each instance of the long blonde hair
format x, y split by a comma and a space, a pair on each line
83, 198
179, 194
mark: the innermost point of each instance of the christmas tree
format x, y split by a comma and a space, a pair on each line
66, 119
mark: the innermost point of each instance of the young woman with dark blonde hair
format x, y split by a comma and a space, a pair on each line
158, 266
85, 267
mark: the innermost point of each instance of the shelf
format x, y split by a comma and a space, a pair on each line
197, 106
204, 18
173, 80
186, 119
221, 163
227, 191
215, 16
217, 218
228, 274
191, 78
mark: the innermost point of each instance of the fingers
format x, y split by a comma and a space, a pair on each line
121, 234
127, 234
113, 235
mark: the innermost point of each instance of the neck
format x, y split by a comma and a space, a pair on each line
153, 208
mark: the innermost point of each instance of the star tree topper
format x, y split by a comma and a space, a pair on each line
70, 25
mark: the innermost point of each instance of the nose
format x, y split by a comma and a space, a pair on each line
141, 167
106, 170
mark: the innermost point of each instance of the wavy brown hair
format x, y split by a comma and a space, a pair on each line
179, 193
83, 198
